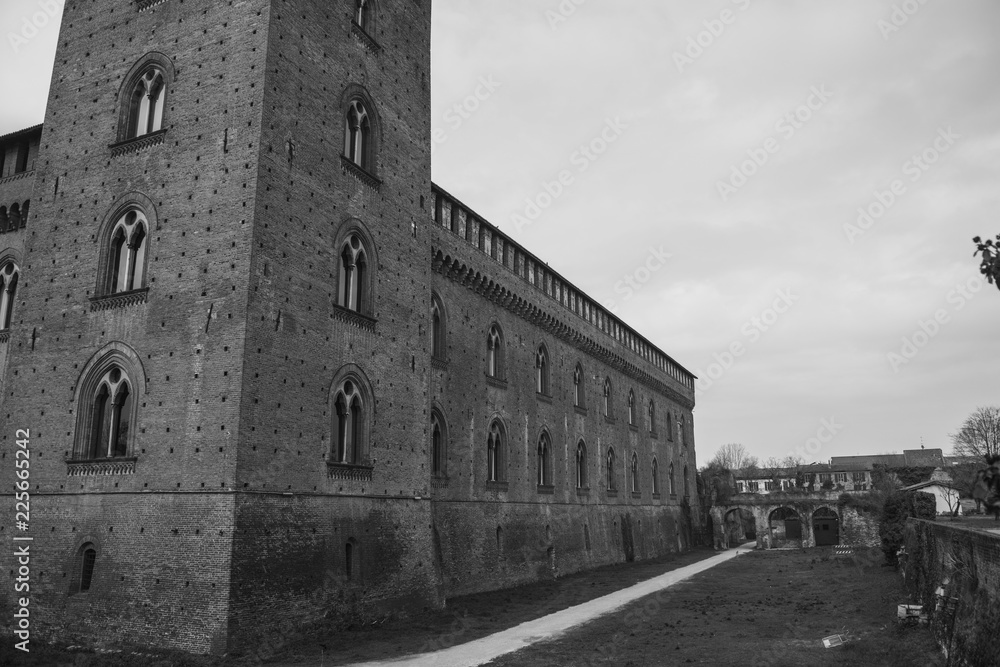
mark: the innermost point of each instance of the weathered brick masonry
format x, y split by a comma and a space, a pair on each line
230, 515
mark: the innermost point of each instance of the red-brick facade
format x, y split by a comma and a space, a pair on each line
229, 516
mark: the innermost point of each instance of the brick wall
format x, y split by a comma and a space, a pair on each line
955, 573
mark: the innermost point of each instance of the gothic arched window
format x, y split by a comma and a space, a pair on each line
544, 461
611, 469
126, 254
542, 371
631, 408
438, 444
146, 103
359, 145
111, 414
496, 456
579, 394
350, 424
9, 274
439, 343
671, 481
656, 478
652, 416
364, 12
581, 465
494, 353
635, 473
607, 397
354, 283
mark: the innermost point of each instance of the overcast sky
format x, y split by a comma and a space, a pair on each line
703, 169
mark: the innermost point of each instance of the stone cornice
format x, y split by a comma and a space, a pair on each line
360, 173
365, 38
353, 317
349, 471
137, 144
462, 274
120, 300
101, 467
16, 177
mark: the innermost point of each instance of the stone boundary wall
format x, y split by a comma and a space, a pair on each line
954, 572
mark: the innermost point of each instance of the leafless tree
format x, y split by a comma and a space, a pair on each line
733, 456
979, 435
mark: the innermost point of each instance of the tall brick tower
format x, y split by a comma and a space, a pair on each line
220, 341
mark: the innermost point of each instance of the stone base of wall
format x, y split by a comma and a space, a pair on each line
955, 573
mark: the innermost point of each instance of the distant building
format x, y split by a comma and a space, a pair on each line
946, 495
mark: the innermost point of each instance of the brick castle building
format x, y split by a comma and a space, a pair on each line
269, 371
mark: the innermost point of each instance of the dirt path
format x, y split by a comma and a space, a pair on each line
554, 625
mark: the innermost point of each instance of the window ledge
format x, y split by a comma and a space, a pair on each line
583, 492
579, 410
137, 144
656, 496
353, 317
546, 489
119, 300
16, 177
608, 419
633, 428
101, 467
439, 363
360, 173
653, 435
365, 38
637, 494
4, 335
544, 398
496, 486
439, 480
612, 493
349, 471
496, 382
673, 496
143, 5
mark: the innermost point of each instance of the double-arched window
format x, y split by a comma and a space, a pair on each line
652, 416
579, 393
635, 473
671, 481
544, 460
146, 103
349, 423
9, 274
111, 408
581, 465
607, 397
656, 477
126, 257
542, 371
631, 408
496, 454
494, 353
359, 140
353, 287
364, 15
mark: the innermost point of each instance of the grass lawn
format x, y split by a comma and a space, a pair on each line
764, 608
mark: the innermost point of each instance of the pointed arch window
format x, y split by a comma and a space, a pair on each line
672, 484
651, 410
635, 473
607, 397
358, 137
631, 408
495, 353
364, 14
9, 274
656, 477
350, 426
496, 456
542, 371
578, 387
581, 465
84, 565
544, 464
126, 256
439, 346
670, 426
611, 484
147, 100
111, 416
438, 444
354, 283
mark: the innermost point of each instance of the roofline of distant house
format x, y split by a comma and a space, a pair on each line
28, 130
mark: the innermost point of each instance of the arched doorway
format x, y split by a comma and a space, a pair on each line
785, 528
826, 527
740, 526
